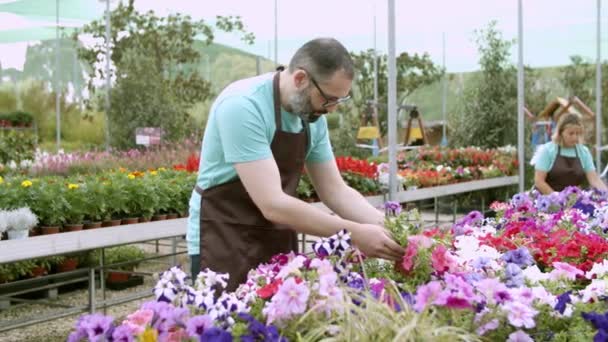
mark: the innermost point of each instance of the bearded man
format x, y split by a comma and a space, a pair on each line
262, 132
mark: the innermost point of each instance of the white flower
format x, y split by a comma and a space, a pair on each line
598, 270
165, 291
21, 219
597, 288
208, 279
534, 274
544, 297
3, 221
293, 267
176, 275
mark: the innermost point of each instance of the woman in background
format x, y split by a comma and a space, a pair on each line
565, 161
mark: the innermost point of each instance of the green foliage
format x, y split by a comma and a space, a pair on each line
344, 139
16, 146
488, 111
413, 72
120, 254
579, 79
155, 59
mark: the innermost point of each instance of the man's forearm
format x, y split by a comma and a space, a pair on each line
351, 205
305, 218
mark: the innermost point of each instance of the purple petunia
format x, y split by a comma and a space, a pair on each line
514, 275
520, 257
562, 300
214, 334
600, 322
392, 208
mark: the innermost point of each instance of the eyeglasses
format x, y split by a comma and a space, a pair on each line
330, 101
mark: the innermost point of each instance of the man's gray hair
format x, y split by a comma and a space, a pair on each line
322, 57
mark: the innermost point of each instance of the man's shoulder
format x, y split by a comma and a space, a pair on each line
253, 88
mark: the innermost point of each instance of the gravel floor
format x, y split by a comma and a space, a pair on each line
59, 329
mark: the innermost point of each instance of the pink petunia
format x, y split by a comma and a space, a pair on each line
407, 262
292, 296
564, 270
138, 320
442, 261
426, 294
520, 315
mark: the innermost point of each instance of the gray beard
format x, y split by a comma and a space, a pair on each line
300, 105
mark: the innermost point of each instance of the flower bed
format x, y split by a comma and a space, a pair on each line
537, 271
120, 194
433, 166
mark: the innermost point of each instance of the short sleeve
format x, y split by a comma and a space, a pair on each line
544, 158
242, 130
586, 158
321, 150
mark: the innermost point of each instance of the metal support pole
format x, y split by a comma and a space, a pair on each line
444, 94
436, 208
520, 96
303, 244
102, 278
173, 251
375, 61
598, 92
57, 88
392, 103
454, 209
108, 78
276, 34
92, 305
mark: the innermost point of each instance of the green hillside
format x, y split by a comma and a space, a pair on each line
429, 98
219, 63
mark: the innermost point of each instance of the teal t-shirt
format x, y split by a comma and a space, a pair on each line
547, 153
240, 128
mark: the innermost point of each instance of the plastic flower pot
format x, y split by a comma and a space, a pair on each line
111, 223
92, 225
159, 217
72, 227
117, 277
130, 220
69, 264
46, 230
17, 234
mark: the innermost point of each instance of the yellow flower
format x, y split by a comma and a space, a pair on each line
131, 176
122, 169
153, 173
162, 169
149, 335
1, 180
26, 183
73, 186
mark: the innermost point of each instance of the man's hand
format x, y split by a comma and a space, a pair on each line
375, 241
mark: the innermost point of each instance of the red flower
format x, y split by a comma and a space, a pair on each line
269, 290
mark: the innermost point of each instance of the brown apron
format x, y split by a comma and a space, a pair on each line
234, 235
566, 171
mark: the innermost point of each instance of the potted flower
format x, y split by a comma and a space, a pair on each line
19, 222
95, 205
3, 222
76, 197
116, 197
51, 206
117, 255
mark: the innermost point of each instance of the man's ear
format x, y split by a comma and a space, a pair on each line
300, 78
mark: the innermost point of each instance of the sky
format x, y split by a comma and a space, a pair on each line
553, 30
